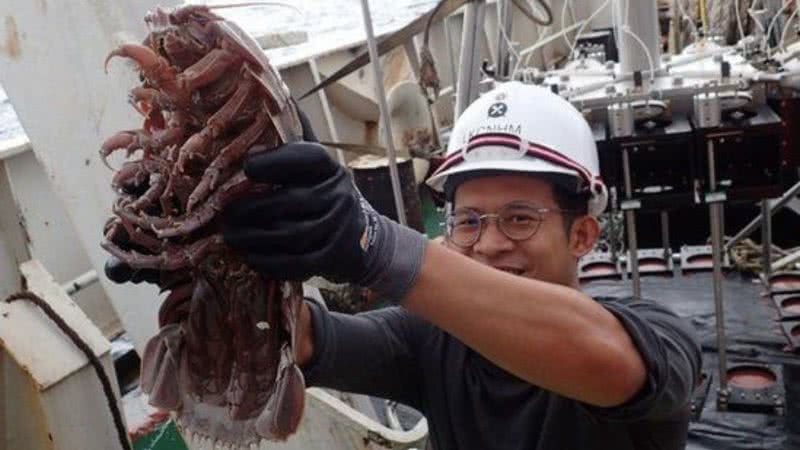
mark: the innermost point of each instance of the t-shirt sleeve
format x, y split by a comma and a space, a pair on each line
372, 353
671, 352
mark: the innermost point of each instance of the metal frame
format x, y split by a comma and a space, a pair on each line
467, 86
773, 207
384, 107
326, 109
714, 201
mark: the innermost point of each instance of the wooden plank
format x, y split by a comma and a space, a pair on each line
35, 342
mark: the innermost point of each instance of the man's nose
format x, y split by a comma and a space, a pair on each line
492, 240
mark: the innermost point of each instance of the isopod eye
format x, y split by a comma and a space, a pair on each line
141, 77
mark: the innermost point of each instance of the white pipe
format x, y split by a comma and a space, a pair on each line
785, 261
80, 283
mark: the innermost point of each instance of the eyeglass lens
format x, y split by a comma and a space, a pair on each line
516, 221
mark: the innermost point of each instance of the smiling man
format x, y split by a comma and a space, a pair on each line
492, 338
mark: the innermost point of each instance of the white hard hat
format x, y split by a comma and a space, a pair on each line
524, 128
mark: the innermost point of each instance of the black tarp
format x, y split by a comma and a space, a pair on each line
752, 336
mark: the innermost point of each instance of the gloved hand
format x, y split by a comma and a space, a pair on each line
120, 272
315, 222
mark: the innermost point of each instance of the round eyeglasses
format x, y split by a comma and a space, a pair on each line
518, 221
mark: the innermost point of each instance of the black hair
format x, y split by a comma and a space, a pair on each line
576, 205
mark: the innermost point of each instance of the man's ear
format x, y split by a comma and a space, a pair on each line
584, 233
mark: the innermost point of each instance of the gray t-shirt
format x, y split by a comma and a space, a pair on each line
470, 403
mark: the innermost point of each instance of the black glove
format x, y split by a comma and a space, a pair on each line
120, 272
315, 222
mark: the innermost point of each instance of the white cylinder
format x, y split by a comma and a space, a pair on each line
620, 120
707, 110
642, 21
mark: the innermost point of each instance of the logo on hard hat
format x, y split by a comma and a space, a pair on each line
498, 110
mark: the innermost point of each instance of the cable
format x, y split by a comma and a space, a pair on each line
587, 22
688, 18
564, 21
429, 23
772, 23
544, 41
122, 434
627, 29
508, 41
738, 19
529, 55
522, 7
751, 13
787, 25
547, 11
572, 12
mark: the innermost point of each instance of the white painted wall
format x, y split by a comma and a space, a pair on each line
51, 65
36, 219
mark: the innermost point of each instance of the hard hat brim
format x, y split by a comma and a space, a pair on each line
526, 165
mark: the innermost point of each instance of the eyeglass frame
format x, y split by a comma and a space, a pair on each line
483, 218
